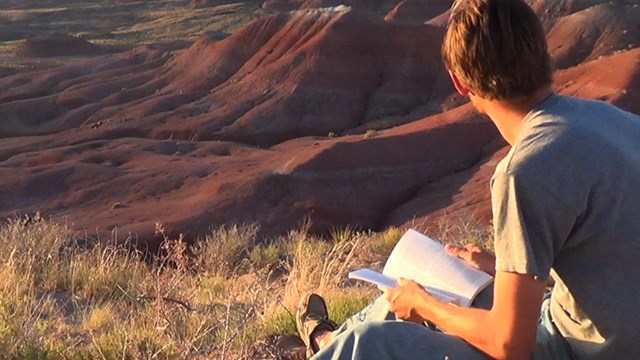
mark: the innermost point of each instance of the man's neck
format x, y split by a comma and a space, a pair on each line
509, 115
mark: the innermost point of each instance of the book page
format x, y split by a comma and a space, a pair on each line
386, 282
425, 261
374, 277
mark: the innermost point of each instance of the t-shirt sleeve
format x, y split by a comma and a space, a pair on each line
531, 224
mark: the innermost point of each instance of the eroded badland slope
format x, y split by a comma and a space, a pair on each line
344, 116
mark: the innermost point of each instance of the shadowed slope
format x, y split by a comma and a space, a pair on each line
466, 195
190, 186
56, 45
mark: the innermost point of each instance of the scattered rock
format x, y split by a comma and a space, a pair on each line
119, 205
418, 11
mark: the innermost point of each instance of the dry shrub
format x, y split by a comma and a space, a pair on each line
317, 264
226, 248
463, 231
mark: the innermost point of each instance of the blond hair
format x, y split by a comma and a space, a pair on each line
497, 48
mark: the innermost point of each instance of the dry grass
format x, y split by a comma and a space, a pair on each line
61, 298
227, 297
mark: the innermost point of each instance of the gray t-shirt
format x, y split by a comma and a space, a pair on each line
566, 202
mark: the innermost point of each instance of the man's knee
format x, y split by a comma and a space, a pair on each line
369, 330
381, 331
359, 342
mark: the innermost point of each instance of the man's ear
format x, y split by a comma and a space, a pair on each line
462, 90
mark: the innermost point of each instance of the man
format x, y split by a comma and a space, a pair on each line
566, 202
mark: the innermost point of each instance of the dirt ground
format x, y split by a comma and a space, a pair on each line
115, 25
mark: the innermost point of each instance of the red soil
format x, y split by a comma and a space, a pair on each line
594, 32
235, 131
267, 83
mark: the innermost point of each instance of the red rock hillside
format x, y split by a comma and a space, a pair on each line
333, 115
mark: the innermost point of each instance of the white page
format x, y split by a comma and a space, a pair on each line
386, 282
425, 261
374, 277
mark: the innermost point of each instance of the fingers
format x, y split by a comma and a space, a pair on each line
452, 249
469, 247
390, 298
466, 253
391, 295
462, 252
408, 284
474, 248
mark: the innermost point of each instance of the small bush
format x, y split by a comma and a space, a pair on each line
100, 318
266, 256
224, 250
278, 323
343, 306
342, 235
380, 245
462, 232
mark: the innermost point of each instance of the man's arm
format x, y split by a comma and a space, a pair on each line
507, 331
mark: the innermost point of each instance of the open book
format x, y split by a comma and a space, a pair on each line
425, 261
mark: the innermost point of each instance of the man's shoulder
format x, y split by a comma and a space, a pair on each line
570, 145
563, 134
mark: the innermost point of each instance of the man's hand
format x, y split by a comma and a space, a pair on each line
405, 299
475, 256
